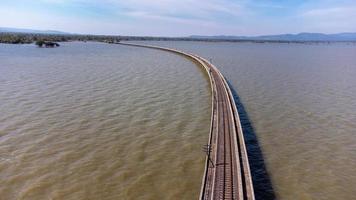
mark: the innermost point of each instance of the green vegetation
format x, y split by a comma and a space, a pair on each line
39, 43
26, 38
40, 39
14, 39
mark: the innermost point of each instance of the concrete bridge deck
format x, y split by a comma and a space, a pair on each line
227, 173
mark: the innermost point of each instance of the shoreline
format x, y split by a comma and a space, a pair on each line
29, 38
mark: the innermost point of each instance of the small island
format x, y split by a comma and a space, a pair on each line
47, 44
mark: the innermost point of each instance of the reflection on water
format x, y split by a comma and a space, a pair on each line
263, 187
96, 121
301, 102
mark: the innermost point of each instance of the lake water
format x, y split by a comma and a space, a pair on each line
96, 121
299, 101
93, 121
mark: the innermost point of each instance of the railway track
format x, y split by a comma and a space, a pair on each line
231, 175
227, 172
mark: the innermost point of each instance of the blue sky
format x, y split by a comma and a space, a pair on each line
181, 17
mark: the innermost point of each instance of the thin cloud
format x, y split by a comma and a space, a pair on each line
181, 17
337, 12
184, 9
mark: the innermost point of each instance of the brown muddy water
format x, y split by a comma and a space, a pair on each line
298, 108
97, 121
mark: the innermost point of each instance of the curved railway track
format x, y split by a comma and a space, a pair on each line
227, 172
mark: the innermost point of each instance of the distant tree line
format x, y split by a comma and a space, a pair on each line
27, 38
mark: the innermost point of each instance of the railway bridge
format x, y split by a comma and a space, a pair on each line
227, 173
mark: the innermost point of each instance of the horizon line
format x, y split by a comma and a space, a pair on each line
190, 35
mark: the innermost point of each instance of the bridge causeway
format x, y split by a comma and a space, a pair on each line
227, 172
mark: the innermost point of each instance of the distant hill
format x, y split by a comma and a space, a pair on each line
287, 37
300, 37
21, 30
